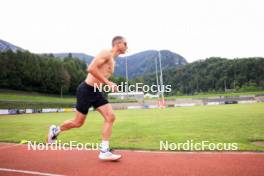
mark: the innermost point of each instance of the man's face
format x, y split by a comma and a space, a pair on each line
122, 46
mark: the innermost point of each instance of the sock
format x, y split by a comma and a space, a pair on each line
57, 132
104, 145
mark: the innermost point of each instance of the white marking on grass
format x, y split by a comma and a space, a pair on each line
28, 172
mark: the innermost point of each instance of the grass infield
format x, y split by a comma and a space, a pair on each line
144, 129
12, 95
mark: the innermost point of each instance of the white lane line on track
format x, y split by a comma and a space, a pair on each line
194, 152
28, 172
167, 152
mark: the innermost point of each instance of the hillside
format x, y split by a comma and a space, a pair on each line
139, 64
143, 63
85, 57
4, 46
215, 75
45, 73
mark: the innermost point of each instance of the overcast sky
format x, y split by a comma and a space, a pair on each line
195, 29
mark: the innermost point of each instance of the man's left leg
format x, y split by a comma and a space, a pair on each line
109, 117
54, 130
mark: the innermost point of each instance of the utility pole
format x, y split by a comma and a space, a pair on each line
61, 91
225, 85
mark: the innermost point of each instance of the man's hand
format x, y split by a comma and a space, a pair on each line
113, 86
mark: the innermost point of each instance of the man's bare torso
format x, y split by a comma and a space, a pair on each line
106, 69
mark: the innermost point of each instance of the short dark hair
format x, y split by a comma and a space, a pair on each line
116, 38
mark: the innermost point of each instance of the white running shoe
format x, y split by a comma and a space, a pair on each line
52, 135
109, 156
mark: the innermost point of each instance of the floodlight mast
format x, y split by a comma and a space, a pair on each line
161, 81
157, 80
126, 79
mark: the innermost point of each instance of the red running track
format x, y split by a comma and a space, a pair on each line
133, 163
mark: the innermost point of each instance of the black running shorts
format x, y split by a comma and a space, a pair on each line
88, 96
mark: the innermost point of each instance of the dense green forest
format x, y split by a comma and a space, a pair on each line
48, 74
41, 73
215, 75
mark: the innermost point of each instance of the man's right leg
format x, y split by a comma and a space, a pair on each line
77, 122
109, 117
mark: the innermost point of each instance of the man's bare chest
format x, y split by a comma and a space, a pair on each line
108, 66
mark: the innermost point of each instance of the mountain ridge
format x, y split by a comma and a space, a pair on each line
4, 46
139, 64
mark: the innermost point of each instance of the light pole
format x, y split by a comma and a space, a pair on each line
126, 78
157, 78
161, 80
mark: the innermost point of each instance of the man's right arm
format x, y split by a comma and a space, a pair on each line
97, 62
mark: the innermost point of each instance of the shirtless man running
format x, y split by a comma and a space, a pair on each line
99, 71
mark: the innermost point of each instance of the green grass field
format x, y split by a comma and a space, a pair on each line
39, 97
144, 129
34, 97
12, 95
208, 95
